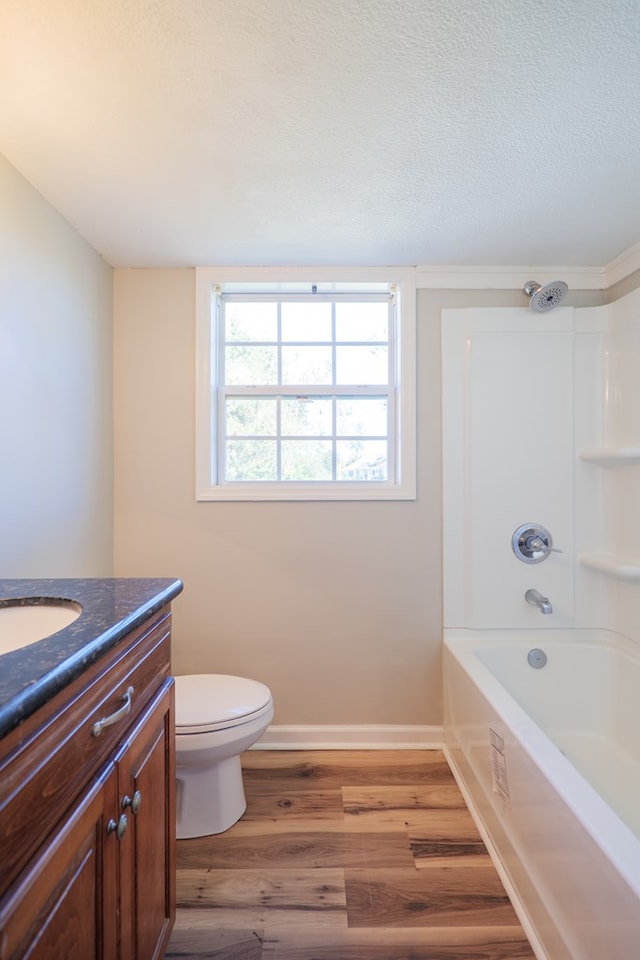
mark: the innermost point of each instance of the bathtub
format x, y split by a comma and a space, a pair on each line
548, 760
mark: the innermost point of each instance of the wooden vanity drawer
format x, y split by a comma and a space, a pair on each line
47, 769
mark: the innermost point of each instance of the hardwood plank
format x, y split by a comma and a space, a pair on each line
387, 850
341, 943
295, 827
212, 944
311, 770
393, 803
313, 890
441, 896
332, 945
421, 945
487, 950
287, 805
450, 852
475, 938
440, 823
437, 837
301, 925
254, 844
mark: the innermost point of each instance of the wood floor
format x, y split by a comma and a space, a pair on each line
345, 855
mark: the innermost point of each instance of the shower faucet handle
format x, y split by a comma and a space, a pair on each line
537, 543
532, 543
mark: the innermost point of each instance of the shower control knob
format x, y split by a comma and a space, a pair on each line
532, 543
535, 544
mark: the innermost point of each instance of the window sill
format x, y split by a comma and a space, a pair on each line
307, 491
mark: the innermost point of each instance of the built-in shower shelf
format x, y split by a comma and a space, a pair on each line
612, 457
611, 566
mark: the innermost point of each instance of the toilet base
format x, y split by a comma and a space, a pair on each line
209, 799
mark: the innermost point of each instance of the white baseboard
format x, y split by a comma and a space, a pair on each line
350, 737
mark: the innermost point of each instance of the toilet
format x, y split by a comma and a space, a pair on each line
217, 717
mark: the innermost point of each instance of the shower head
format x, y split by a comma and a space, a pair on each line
547, 297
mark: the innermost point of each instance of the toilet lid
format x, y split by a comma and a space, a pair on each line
208, 701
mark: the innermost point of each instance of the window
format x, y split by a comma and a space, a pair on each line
305, 387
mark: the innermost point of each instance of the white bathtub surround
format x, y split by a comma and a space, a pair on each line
540, 424
550, 763
613, 560
508, 456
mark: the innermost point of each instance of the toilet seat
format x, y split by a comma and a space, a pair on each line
212, 701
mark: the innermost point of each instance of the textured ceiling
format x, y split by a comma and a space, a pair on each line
181, 132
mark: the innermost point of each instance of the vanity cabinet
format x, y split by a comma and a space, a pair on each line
87, 812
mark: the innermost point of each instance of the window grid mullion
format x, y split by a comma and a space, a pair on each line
306, 297
392, 426
306, 390
334, 352
279, 438
334, 402
279, 340
220, 407
279, 396
307, 343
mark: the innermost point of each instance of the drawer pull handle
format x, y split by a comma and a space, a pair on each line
120, 827
133, 802
99, 725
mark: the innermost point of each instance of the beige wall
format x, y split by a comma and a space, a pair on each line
56, 477
337, 606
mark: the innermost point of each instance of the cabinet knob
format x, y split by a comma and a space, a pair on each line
133, 802
120, 827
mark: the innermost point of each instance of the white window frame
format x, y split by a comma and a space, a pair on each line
210, 281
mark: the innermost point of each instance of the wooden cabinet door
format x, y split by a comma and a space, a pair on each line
65, 904
102, 887
146, 782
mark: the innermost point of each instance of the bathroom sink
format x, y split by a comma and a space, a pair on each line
26, 621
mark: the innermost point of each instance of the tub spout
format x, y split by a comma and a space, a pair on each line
535, 598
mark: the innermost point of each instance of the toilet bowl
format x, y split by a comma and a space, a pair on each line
217, 717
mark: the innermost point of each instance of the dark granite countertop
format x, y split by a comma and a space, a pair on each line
29, 677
